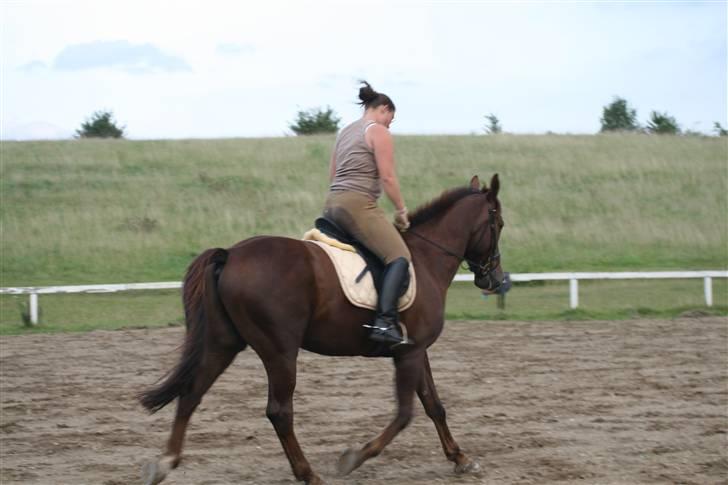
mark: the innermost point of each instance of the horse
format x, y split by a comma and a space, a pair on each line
278, 295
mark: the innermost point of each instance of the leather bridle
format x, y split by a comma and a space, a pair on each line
481, 270
485, 270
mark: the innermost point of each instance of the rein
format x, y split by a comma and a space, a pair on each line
441, 248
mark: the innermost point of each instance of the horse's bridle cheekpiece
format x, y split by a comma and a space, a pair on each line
484, 271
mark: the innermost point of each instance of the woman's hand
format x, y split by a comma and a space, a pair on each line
401, 221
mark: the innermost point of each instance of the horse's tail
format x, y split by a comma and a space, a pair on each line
202, 308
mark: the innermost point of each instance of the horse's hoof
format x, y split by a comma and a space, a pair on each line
348, 462
151, 474
155, 472
315, 480
471, 467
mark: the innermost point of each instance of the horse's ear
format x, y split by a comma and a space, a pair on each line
494, 186
475, 183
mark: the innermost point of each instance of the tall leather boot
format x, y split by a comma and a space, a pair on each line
386, 327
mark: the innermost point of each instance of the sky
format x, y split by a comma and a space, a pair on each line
213, 69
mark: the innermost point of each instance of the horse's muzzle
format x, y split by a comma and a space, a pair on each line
494, 283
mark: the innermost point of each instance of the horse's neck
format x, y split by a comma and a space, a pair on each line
447, 233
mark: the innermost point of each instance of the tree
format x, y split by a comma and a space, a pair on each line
719, 130
662, 124
618, 116
315, 120
493, 127
101, 124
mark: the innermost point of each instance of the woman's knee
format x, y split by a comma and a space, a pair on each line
396, 253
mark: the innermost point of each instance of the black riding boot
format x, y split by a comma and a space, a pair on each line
386, 328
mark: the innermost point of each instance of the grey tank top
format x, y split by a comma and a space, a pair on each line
356, 168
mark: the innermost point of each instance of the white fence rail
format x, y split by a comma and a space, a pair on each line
34, 291
573, 279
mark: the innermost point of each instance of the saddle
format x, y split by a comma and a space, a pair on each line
359, 270
372, 263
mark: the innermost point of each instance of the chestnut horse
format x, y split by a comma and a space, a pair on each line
279, 295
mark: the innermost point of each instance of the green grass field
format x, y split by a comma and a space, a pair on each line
113, 211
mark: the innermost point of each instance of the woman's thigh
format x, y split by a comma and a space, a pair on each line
368, 223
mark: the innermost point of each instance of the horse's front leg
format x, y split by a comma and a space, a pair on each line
408, 374
436, 411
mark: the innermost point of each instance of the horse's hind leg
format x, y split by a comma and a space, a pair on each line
435, 410
214, 363
407, 375
281, 371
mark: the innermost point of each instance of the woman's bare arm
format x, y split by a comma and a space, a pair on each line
380, 139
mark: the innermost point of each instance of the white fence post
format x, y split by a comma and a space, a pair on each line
708, 287
33, 308
573, 293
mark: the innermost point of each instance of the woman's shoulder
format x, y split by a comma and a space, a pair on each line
377, 130
353, 124
348, 128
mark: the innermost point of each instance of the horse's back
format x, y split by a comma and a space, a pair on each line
265, 263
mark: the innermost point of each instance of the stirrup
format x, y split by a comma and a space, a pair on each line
385, 335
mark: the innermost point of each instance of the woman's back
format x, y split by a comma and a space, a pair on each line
356, 168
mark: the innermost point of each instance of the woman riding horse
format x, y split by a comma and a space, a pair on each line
362, 164
278, 295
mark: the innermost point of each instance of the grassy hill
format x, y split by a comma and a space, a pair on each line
92, 211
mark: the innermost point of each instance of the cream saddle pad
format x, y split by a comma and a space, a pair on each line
349, 266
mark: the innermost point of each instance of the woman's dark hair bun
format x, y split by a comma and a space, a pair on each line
367, 94
371, 99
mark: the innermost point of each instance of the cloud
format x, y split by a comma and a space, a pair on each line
133, 58
228, 49
33, 66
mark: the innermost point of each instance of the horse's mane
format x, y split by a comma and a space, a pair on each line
439, 205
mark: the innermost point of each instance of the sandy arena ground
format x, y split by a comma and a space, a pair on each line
626, 402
